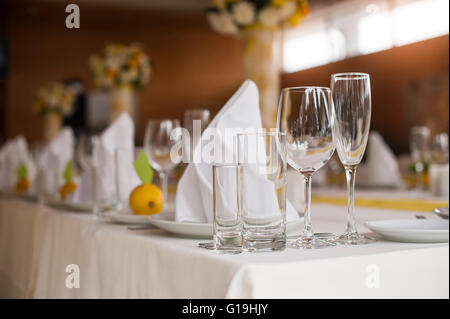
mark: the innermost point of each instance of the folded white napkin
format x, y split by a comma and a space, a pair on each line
54, 158
14, 153
5, 166
119, 135
381, 167
194, 198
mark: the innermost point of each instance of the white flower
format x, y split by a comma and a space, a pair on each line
222, 23
270, 16
244, 13
128, 76
287, 10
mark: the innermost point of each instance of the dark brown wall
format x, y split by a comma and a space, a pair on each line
194, 67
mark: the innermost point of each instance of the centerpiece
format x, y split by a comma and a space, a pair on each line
54, 101
258, 23
121, 69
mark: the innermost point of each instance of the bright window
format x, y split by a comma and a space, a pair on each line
420, 20
359, 27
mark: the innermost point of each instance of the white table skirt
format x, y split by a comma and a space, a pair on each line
37, 243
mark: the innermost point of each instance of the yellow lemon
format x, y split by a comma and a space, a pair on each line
146, 199
66, 189
22, 185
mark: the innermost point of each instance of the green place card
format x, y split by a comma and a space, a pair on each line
143, 168
68, 172
22, 171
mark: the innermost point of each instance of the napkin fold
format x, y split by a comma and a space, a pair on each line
194, 198
381, 168
119, 135
55, 156
14, 153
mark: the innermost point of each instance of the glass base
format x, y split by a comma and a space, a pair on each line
227, 250
353, 239
313, 242
264, 245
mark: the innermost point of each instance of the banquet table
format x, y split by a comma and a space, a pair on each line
37, 243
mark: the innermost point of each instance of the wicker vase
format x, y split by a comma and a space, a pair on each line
122, 100
52, 125
262, 64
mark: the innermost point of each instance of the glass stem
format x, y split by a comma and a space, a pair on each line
350, 173
164, 177
95, 194
308, 228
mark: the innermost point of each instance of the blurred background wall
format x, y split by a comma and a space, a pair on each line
194, 67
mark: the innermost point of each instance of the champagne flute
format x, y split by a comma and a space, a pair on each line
305, 116
352, 109
159, 142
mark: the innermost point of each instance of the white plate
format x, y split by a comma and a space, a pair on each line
204, 230
411, 230
85, 207
124, 218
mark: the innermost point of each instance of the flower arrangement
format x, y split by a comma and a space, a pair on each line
54, 97
235, 16
120, 65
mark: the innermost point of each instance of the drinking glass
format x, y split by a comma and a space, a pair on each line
262, 160
305, 116
126, 178
162, 137
227, 225
352, 109
420, 148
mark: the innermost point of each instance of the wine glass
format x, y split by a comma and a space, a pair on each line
305, 116
198, 119
84, 151
163, 139
439, 149
352, 109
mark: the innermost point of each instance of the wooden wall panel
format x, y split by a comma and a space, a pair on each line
194, 67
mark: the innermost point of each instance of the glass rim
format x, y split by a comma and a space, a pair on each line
304, 88
196, 110
163, 120
270, 133
225, 165
350, 75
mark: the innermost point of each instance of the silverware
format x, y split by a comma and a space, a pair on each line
441, 212
141, 227
420, 217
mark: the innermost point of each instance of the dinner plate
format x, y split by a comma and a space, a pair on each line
205, 230
411, 230
82, 207
129, 219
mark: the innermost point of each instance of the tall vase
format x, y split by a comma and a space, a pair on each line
122, 100
52, 125
262, 64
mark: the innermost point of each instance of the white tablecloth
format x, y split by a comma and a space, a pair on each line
37, 243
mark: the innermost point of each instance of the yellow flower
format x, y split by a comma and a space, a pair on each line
111, 74
295, 19
278, 3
